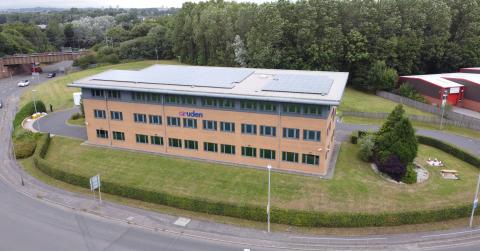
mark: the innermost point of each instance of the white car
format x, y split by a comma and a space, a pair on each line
23, 83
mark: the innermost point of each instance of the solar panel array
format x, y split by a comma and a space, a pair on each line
215, 77
299, 84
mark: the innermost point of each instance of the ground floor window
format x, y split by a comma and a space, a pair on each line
141, 138
191, 144
249, 151
210, 147
102, 134
172, 142
118, 136
290, 156
310, 159
156, 140
267, 154
228, 149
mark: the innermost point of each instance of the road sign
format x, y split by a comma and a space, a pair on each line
95, 182
475, 203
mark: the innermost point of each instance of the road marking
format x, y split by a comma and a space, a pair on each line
181, 221
337, 238
454, 233
129, 219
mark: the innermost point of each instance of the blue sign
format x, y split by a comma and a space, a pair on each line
191, 114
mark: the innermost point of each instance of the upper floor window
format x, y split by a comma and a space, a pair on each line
99, 114
291, 133
210, 125
172, 99
114, 115
226, 103
311, 135
98, 93
268, 131
147, 97
312, 110
291, 108
173, 121
268, 107
140, 118
227, 126
248, 105
155, 119
113, 94
211, 102
249, 129
189, 123
188, 100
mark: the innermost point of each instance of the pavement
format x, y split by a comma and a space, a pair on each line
466, 112
36, 216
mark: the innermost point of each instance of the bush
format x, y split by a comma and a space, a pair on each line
27, 110
453, 150
392, 166
76, 116
367, 144
85, 61
24, 147
354, 139
411, 176
407, 90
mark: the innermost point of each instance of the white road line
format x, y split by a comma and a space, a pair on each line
454, 233
337, 238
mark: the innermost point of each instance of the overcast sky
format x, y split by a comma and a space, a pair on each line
9, 4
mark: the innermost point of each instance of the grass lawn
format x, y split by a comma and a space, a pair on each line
57, 93
448, 128
355, 187
78, 122
358, 101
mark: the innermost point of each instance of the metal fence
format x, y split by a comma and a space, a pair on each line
453, 118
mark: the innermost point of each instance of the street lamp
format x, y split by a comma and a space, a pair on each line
475, 201
444, 102
269, 167
34, 100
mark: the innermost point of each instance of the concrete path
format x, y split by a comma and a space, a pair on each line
466, 112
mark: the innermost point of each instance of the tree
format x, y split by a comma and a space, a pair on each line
240, 51
381, 77
69, 35
400, 141
55, 34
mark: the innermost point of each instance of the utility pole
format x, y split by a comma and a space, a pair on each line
475, 201
269, 167
444, 103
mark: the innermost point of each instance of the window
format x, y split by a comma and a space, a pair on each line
211, 102
140, 118
310, 159
189, 123
155, 119
268, 131
98, 93
312, 110
113, 94
248, 105
170, 99
99, 114
173, 121
118, 136
210, 125
311, 135
290, 156
103, 134
227, 149
227, 126
172, 142
268, 107
249, 129
156, 140
116, 115
226, 103
147, 97
188, 100
191, 144
210, 147
141, 138
267, 154
291, 108
249, 151
139, 96
291, 133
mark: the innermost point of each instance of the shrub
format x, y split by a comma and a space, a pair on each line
354, 139
85, 61
27, 110
76, 116
24, 147
367, 144
392, 166
410, 176
407, 90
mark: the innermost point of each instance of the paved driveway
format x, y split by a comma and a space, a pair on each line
56, 123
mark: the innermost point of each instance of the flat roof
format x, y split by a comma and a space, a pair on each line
470, 68
311, 87
470, 77
436, 79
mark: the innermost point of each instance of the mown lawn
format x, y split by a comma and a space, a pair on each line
358, 101
355, 187
78, 122
57, 93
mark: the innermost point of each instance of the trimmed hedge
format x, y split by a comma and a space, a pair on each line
27, 110
251, 212
450, 149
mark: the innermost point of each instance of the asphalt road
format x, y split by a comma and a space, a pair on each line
31, 224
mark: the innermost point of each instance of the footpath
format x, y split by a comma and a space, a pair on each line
25, 184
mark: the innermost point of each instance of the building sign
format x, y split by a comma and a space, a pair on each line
191, 114
95, 182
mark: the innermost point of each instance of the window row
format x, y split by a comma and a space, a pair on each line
246, 151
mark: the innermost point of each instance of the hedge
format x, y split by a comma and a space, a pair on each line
251, 212
27, 110
450, 149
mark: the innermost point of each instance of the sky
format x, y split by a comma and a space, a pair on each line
14, 4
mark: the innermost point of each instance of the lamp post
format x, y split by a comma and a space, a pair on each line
444, 102
269, 167
34, 100
475, 201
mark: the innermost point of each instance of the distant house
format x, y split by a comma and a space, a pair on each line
42, 26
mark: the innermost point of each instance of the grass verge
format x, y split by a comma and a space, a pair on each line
76, 122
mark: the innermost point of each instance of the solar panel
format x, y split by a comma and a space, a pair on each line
299, 84
215, 77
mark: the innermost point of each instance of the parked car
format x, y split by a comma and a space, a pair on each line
51, 75
1, 104
23, 83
